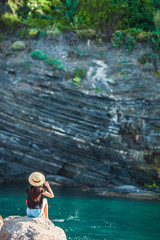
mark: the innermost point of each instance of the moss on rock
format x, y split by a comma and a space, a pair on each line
33, 32
86, 33
53, 31
18, 45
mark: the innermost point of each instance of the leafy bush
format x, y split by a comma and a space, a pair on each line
99, 14
10, 23
39, 23
76, 81
143, 36
154, 185
71, 8
103, 14
156, 4
139, 14
79, 73
53, 31
34, 9
55, 63
86, 33
117, 39
38, 54
33, 32
157, 20
127, 38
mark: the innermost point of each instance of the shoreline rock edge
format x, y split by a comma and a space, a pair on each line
18, 227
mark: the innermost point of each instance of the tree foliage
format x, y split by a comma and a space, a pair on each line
101, 15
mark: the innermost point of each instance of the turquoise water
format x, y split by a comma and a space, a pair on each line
84, 216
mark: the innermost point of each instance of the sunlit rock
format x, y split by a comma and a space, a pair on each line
26, 228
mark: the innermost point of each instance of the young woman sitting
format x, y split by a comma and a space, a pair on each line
37, 205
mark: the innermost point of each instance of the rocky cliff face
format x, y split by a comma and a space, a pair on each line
100, 131
17, 227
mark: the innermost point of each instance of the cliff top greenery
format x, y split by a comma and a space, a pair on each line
98, 16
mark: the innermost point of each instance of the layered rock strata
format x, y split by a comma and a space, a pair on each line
102, 132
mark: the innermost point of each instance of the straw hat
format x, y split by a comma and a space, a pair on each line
36, 179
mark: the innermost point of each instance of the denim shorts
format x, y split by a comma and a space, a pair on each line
34, 212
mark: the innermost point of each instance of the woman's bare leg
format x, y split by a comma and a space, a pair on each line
45, 208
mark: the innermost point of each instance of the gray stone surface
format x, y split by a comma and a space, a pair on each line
26, 228
105, 131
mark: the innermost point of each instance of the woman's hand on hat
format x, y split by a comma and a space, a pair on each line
50, 192
46, 184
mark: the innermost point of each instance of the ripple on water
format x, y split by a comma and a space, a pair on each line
58, 220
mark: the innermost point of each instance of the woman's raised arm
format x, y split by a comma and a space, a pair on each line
50, 192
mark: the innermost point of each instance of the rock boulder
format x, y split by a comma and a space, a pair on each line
25, 228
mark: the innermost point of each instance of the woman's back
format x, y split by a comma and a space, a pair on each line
35, 197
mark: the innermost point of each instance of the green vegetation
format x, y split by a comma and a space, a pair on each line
126, 22
37, 33
79, 73
97, 89
33, 32
53, 31
39, 55
154, 185
76, 76
147, 58
129, 38
157, 74
18, 45
76, 80
156, 129
10, 23
81, 53
98, 15
86, 33
157, 20
151, 58
55, 63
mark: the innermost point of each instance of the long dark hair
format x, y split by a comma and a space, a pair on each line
35, 193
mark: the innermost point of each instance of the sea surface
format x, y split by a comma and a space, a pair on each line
86, 216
